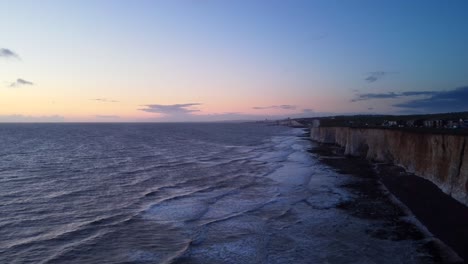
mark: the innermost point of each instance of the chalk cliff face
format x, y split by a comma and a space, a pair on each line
442, 159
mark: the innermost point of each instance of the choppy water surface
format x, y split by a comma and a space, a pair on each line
175, 193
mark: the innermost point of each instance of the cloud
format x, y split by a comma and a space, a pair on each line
369, 96
7, 53
453, 100
32, 119
174, 109
376, 75
104, 100
20, 82
107, 116
284, 107
415, 93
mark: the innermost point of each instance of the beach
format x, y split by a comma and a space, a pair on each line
412, 207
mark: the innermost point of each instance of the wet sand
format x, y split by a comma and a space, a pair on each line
444, 217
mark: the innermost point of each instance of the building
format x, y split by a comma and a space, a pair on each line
390, 123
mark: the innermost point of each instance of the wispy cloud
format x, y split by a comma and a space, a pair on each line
20, 82
416, 93
233, 116
24, 118
376, 75
104, 100
7, 53
370, 96
107, 116
453, 100
284, 107
174, 109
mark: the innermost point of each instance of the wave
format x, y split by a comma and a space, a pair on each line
152, 200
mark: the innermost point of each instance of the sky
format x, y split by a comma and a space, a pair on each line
202, 60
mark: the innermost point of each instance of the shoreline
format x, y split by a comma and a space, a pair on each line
387, 193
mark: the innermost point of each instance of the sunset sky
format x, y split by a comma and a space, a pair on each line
202, 60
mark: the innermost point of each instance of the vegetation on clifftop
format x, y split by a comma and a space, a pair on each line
412, 123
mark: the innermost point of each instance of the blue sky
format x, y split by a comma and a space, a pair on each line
204, 60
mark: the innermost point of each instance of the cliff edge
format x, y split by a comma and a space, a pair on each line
442, 159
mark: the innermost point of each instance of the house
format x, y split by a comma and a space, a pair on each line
434, 123
463, 123
419, 122
451, 124
410, 123
429, 123
387, 123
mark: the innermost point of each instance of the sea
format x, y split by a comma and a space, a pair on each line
177, 193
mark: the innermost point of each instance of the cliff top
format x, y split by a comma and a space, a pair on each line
443, 123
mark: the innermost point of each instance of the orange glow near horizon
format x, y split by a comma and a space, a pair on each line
319, 58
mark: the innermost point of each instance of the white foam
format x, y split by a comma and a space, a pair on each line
288, 215
176, 210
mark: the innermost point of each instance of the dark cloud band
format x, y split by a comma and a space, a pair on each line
370, 96
434, 101
444, 101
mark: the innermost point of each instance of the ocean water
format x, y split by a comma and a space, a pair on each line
176, 193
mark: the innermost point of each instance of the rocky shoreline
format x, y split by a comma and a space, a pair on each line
384, 192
